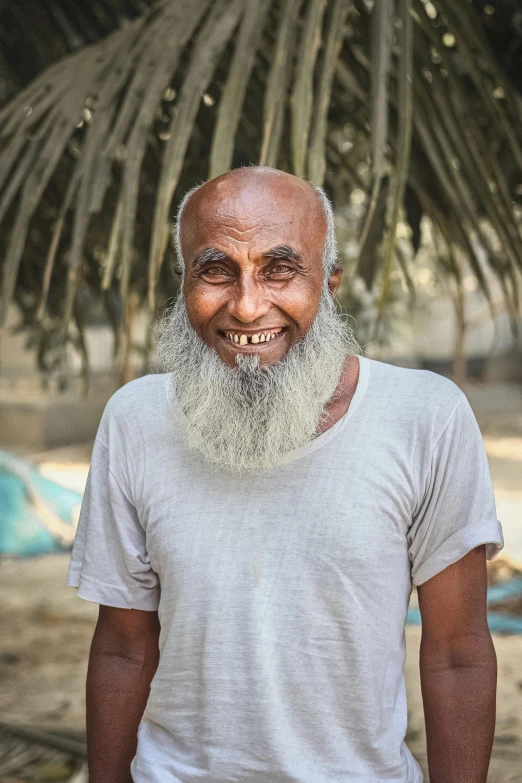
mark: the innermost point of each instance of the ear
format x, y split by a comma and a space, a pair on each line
334, 281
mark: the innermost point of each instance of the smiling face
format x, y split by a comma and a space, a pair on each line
252, 242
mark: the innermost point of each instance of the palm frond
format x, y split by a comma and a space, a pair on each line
302, 100
277, 84
231, 104
404, 135
333, 41
381, 33
96, 151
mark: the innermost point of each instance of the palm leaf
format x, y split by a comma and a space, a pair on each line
381, 31
404, 136
286, 76
231, 104
302, 101
277, 84
334, 39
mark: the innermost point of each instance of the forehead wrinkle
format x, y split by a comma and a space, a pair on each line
249, 233
243, 213
211, 231
265, 209
256, 249
253, 219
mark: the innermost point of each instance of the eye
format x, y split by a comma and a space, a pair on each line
214, 271
282, 268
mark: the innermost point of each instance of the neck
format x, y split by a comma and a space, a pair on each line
340, 402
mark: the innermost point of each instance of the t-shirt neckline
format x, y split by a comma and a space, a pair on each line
340, 424
320, 440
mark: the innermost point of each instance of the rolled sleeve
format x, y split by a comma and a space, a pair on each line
457, 512
109, 561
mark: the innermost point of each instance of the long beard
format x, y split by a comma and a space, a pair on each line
246, 418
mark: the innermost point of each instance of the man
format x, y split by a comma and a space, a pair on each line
256, 515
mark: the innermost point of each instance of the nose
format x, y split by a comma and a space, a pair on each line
248, 302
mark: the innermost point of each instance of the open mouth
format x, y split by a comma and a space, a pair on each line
261, 338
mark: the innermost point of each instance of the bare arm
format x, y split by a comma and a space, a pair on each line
122, 662
458, 669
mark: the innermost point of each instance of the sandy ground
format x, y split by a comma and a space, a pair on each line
45, 630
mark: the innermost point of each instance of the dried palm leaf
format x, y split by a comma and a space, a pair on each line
232, 99
277, 85
287, 78
404, 136
334, 39
381, 34
302, 100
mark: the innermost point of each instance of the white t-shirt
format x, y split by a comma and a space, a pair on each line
282, 598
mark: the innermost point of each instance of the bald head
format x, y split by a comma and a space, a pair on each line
255, 197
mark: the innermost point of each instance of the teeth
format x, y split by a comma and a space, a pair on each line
243, 339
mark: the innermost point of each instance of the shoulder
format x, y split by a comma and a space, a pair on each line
144, 390
416, 384
420, 398
134, 406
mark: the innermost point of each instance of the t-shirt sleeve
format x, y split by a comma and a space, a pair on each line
109, 561
457, 506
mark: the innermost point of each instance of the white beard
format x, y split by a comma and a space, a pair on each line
247, 417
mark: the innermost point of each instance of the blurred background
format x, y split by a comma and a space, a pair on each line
408, 112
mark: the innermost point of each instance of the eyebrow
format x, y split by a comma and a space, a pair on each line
285, 251
206, 255
212, 254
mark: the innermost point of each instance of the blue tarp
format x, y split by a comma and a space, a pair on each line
36, 514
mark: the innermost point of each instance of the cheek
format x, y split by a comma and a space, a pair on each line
202, 303
301, 303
